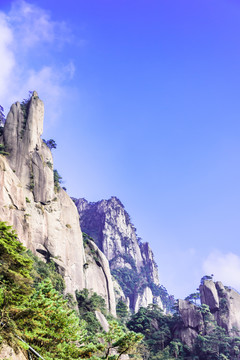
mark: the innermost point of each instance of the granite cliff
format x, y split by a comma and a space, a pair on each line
131, 262
43, 215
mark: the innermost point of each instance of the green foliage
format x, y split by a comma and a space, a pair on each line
167, 300
15, 281
57, 180
193, 298
87, 305
49, 164
86, 239
118, 339
42, 270
122, 310
212, 345
50, 326
25, 109
42, 317
2, 150
51, 144
32, 183
15, 269
206, 277
154, 325
128, 280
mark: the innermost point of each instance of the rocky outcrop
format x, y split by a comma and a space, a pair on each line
149, 262
144, 299
102, 320
46, 221
224, 303
223, 309
108, 223
8, 353
43, 215
97, 275
209, 295
29, 156
191, 322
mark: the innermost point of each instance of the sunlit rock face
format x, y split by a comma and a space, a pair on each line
45, 218
97, 275
108, 223
29, 156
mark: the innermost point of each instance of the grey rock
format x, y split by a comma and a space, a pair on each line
103, 321
28, 155
209, 295
190, 315
98, 277
47, 222
108, 223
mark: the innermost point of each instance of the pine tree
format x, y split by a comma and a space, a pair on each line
15, 281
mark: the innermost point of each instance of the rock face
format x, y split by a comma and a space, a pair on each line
29, 156
97, 275
224, 304
45, 218
192, 322
6, 352
108, 223
209, 295
224, 310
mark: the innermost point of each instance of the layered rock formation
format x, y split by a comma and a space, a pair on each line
223, 309
44, 217
131, 262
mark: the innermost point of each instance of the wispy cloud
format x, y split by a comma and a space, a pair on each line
27, 35
225, 267
34, 25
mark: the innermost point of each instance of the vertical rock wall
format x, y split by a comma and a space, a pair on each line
46, 220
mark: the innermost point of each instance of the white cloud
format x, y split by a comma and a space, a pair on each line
7, 58
34, 25
25, 35
225, 267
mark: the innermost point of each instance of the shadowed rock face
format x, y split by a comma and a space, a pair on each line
47, 222
108, 223
209, 295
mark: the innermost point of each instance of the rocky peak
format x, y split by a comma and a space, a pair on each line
44, 217
28, 156
109, 224
209, 295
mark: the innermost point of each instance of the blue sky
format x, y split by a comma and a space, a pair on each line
142, 98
